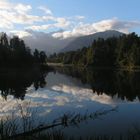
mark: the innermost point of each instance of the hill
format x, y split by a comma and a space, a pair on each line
86, 41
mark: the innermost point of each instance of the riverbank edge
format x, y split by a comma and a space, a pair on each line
137, 68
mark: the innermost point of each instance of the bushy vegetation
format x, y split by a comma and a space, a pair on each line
10, 126
25, 126
112, 52
14, 52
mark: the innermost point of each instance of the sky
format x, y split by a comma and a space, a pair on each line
68, 18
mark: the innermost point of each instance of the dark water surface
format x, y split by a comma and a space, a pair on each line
70, 90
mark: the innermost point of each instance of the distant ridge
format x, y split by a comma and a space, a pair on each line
49, 44
85, 41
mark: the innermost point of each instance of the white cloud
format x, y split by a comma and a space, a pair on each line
45, 9
14, 18
6, 24
5, 5
14, 14
38, 28
57, 23
79, 17
48, 18
22, 9
86, 29
20, 33
18, 13
62, 23
63, 35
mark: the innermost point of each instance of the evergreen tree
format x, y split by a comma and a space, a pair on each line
15, 53
117, 52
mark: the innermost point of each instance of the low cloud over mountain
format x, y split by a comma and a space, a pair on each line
45, 41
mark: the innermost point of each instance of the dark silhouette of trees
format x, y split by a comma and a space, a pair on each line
15, 82
14, 52
42, 57
15, 55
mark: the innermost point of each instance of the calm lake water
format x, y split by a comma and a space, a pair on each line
70, 90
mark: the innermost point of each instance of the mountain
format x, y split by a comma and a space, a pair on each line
49, 44
86, 41
46, 42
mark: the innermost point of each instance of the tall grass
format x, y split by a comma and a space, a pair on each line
23, 128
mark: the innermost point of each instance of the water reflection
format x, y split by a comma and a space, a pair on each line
124, 84
118, 84
75, 90
15, 82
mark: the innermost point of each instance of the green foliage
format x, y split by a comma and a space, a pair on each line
112, 52
15, 53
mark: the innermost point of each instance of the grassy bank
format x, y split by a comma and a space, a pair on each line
136, 68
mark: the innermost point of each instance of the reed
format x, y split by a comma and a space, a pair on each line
13, 128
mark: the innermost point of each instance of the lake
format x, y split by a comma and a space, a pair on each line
67, 90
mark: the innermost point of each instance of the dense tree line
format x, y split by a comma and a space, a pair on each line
14, 52
123, 51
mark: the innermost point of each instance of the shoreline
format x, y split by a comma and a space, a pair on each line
135, 69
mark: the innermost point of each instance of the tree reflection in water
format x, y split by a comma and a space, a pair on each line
124, 84
15, 82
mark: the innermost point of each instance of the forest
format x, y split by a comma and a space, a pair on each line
14, 53
119, 52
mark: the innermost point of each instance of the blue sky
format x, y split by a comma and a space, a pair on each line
127, 9
69, 17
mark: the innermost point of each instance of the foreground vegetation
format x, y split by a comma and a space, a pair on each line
24, 128
24, 125
122, 52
